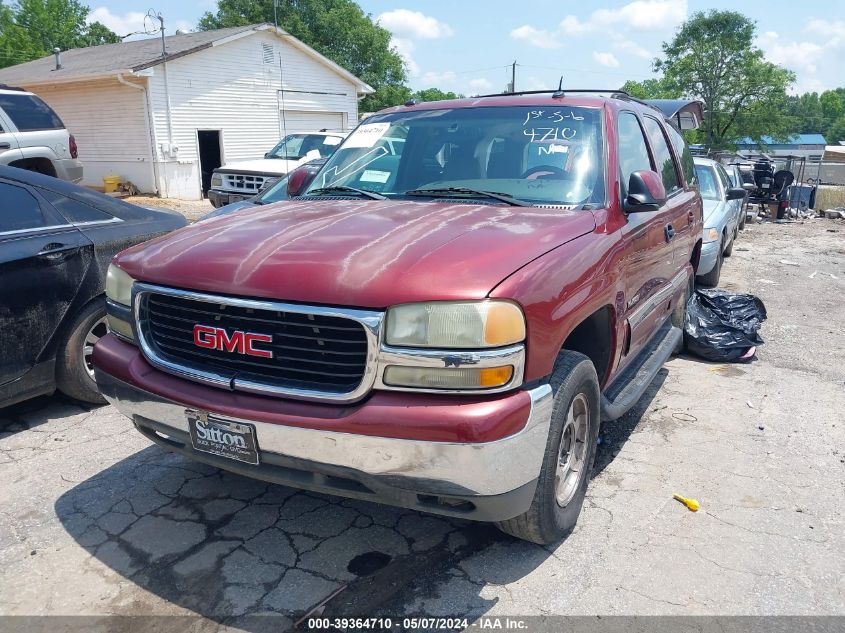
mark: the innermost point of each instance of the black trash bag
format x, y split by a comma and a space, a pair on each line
723, 326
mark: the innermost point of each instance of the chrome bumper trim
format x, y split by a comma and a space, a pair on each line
426, 467
513, 355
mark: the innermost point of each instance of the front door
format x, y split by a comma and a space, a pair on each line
42, 260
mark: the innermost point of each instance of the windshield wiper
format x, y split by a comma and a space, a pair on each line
446, 192
372, 195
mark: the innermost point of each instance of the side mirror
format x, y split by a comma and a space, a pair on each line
645, 192
300, 178
268, 154
736, 193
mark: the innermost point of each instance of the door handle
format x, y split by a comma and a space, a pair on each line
53, 250
669, 232
5, 146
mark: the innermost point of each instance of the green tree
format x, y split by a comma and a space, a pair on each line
434, 94
30, 29
339, 29
651, 89
836, 131
712, 57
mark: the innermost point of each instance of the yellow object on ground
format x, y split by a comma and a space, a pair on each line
111, 183
692, 504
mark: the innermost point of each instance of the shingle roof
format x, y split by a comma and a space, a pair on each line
108, 59
112, 58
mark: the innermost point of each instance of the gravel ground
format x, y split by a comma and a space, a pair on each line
193, 210
95, 520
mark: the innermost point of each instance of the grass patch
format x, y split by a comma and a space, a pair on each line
830, 197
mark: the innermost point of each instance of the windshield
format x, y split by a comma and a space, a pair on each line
707, 184
276, 192
296, 146
541, 155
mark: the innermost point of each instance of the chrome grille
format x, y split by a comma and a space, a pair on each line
246, 183
317, 353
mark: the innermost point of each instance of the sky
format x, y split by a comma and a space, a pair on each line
468, 46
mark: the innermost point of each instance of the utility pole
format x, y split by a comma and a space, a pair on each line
513, 76
275, 13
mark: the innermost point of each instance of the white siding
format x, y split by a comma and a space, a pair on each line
294, 122
233, 89
109, 122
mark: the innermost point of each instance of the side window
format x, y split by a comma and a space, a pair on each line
18, 209
73, 210
633, 151
682, 150
723, 177
662, 155
29, 113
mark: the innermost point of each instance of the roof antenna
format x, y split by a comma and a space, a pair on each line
559, 94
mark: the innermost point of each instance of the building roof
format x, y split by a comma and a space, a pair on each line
80, 64
797, 139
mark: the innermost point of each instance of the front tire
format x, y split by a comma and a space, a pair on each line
74, 371
570, 452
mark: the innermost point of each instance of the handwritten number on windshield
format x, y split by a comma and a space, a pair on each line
555, 116
544, 134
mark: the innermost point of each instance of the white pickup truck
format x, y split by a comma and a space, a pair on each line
237, 181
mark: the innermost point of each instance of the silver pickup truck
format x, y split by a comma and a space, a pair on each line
33, 137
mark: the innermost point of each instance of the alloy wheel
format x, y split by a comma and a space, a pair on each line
97, 331
572, 454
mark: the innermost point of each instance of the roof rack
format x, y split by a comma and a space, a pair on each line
614, 93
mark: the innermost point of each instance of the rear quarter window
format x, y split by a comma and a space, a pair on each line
29, 113
75, 211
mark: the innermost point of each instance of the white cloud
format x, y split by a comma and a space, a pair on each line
800, 56
640, 15
536, 37
405, 48
606, 59
436, 79
414, 25
629, 46
480, 85
825, 28
131, 22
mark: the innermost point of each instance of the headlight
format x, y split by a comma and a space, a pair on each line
216, 180
119, 285
711, 235
455, 325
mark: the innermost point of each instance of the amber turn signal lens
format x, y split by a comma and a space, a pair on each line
495, 376
504, 324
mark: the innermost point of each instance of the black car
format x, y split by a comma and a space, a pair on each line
56, 242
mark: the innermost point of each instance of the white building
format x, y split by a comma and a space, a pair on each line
216, 97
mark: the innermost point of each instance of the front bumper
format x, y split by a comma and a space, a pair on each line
488, 480
222, 198
709, 256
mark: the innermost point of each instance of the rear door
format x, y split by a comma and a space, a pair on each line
42, 260
681, 204
733, 205
9, 147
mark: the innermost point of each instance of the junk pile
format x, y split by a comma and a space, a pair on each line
723, 326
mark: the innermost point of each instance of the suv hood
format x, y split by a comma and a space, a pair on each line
274, 166
368, 254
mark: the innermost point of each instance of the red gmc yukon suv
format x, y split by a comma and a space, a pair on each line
440, 319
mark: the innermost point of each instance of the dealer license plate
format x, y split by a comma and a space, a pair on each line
225, 438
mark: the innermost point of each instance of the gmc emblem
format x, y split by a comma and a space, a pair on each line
240, 342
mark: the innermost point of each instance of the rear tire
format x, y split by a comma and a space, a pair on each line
711, 279
730, 249
74, 372
680, 313
570, 452
743, 214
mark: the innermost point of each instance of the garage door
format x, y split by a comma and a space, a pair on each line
294, 122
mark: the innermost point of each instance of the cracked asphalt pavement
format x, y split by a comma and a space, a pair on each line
95, 520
